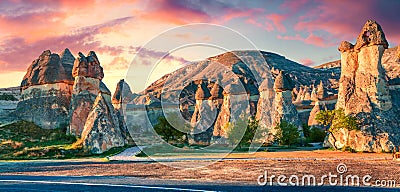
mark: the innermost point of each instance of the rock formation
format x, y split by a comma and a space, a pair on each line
46, 91
318, 106
364, 93
101, 130
203, 117
121, 97
88, 75
284, 108
235, 104
265, 110
321, 91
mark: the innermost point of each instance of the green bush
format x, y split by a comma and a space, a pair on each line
316, 135
287, 133
241, 132
306, 130
8, 97
336, 119
168, 132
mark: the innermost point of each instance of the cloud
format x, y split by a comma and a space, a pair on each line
174, 11
16, 53
150, 57
307, 62
277, 20
310, 39
294, 5
266, 25
343, 19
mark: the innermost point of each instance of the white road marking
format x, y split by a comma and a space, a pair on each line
107, 185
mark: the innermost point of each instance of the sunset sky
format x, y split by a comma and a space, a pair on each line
304, 31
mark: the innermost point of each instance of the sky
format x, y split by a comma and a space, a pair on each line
304, 31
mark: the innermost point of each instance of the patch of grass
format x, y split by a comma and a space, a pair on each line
24, 140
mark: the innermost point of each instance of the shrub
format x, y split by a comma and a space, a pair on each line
306, 130
287, 133
336, 119
168, 132
241, 132
8, 97
316, 135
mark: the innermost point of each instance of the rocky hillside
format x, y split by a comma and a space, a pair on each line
226, 66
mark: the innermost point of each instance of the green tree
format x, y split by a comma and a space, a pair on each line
287, 133
242, 131
325, 117
167, 131
317, 135
336, 119
306, 130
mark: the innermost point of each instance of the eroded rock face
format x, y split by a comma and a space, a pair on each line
46, 91
88, 74
46, 69
364, 92
88, 66
101, 130
284, 108
120, 99
235, 104
203, 117
265, 109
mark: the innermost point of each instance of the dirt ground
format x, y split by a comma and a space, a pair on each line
243, 171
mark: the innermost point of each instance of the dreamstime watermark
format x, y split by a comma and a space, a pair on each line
331, 179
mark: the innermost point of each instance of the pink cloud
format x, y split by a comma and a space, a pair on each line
237, 13
294, 5
16, 53
266, 26
277, 20
307, 62
310, 39
343, 20
177, 12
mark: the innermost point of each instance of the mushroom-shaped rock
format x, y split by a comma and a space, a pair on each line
283, 82
216, 91
202, 92
371, 34
345, 46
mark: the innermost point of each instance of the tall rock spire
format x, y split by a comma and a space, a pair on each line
364, 93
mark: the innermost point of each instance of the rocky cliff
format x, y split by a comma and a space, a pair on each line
364, 92
46, 90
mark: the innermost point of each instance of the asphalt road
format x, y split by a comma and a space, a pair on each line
105, 183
